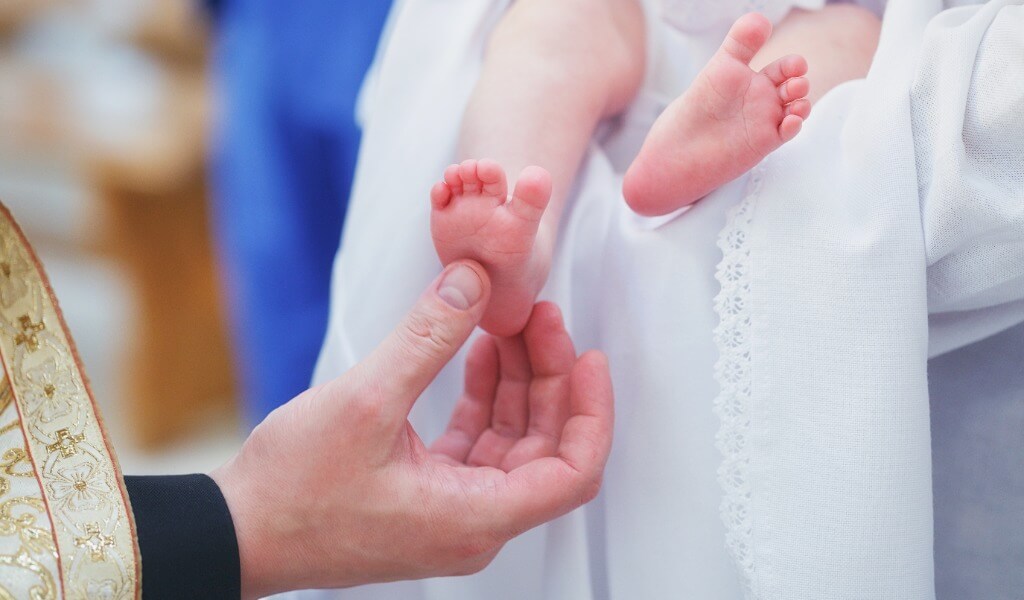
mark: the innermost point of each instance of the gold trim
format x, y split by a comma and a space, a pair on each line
66, 527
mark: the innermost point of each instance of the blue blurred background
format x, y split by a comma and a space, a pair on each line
285, 147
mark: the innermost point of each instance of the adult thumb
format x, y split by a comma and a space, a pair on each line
405, 363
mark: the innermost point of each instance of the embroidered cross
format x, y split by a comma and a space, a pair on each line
95, 542
66, 443
29, 333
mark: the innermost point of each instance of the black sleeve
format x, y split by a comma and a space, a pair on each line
186, 537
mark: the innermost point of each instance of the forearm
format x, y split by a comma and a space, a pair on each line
553, 70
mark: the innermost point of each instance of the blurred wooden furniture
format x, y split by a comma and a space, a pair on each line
154, 191
145, 166
181, 371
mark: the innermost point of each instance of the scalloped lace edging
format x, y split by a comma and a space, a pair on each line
733, 375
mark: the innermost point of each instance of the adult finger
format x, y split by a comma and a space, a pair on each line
552, 357
405, 363
472, 413
510, 410
510, 413
549, 487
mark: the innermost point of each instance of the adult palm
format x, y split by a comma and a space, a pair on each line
336, 489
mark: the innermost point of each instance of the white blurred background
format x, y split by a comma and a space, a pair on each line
103, 105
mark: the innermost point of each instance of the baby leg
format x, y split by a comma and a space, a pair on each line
731, 117
838, 41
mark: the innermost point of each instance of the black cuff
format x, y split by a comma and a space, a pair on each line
186, 537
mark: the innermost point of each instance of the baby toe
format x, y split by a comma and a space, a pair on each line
532, 193
747, 35
785, 68
470, 180
790, 126
453, 178
794, 65
794, 89
492, 178
800, 108
440, 195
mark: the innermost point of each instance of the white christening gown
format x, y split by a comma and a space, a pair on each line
768, 346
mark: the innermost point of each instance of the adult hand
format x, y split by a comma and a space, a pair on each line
335, 489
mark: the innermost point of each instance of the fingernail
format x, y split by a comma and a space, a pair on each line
461, 287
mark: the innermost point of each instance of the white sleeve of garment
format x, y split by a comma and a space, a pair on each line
697, 16
968, 120
367, 97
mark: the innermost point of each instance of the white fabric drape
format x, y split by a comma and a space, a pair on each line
902, 198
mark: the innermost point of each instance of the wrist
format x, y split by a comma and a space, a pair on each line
258, 574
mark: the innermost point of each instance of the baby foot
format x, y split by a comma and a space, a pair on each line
729, 119
473, 217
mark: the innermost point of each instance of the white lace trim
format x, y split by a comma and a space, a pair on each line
733, 375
